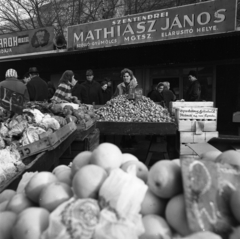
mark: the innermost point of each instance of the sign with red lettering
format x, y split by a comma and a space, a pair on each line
23, 42
11, 100
206, 18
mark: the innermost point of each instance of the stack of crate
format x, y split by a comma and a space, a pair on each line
197, 123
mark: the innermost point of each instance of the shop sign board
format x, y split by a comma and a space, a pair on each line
11, 100
30, 41
201, 19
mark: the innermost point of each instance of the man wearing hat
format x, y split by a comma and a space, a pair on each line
37, 87
12, 83
194, 90
90, 91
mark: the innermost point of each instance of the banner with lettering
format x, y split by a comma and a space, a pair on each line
30, 41
206, 18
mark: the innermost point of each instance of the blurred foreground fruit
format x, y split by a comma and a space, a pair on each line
54, 194
165, 179
65, 176
155, 228
142, 170
235, 203
229, 156
18, 203
59, 169
88, 180
152, 204
128, 157
107, 156
31, 223
176, 215
210, 155
80, 160
203, 235
8, 220
7, 194
37, 183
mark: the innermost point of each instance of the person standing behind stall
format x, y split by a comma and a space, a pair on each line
168, 94
37, 87
90, 91
129, 82
64, 90
157, 94
105, 92
194, 90
12, 83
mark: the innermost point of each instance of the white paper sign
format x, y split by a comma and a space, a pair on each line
197, 113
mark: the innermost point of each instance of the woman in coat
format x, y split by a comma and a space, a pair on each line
129, 82
64, 90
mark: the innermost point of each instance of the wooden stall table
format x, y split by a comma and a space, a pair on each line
139, 128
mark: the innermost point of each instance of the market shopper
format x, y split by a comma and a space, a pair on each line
105, 92
90, 91
129, 82
64, 90
37, 87
194, 90
168, 95
157, 94
51, 89
12, 83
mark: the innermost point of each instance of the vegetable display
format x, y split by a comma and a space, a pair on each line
121, 109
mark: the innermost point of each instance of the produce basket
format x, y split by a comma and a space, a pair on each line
49, 142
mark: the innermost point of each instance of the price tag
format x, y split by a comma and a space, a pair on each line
11, 100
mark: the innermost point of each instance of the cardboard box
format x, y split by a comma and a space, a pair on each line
196, 119
191, 138
177, 104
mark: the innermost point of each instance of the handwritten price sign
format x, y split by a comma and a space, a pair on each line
11, 100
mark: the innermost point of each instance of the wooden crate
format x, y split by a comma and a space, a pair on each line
92, 141
193, 138
177, 104
197, 119
49, 142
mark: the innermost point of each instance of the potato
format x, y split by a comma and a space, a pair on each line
30, 223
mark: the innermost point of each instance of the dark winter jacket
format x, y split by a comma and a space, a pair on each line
168, 96
17, 86
37, 89
106, 95
157, 97
194, 91
89, 92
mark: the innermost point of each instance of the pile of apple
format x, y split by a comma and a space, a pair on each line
26, 214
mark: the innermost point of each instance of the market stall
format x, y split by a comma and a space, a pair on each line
35, 139
135, 116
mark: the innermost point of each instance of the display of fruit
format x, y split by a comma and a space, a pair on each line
94, 199
121, 109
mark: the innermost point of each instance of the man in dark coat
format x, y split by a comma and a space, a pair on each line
194, 90
12, 83
90, 91
37, 87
